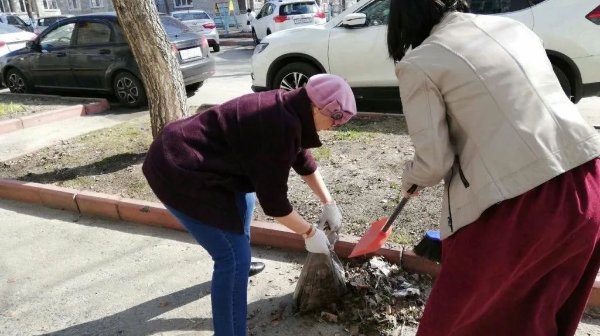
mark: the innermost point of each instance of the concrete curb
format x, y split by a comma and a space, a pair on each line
155, 214
36, 119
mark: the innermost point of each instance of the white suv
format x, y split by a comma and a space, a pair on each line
353, 45
281, 15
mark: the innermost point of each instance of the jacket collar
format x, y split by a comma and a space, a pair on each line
445, 20
299, 104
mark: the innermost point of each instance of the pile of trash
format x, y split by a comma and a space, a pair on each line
380, 298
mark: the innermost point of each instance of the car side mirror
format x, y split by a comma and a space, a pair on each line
32, 45
354, 20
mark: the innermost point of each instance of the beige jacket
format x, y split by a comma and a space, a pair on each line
485, 111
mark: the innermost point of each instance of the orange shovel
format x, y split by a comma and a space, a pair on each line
379, 231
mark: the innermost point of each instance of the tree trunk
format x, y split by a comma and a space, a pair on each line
28, 9
153, 53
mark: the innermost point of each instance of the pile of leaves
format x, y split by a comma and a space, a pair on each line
380, 300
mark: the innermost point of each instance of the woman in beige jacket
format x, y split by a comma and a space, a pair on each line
521, 213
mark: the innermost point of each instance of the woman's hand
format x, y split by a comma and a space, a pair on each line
318, 242
332, 216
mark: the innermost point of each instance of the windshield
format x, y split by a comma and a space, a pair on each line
8, 29
173, 26
298, 8
191, 16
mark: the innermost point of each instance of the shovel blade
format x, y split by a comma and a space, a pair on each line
372, 240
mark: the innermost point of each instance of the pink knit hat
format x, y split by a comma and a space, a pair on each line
333, 96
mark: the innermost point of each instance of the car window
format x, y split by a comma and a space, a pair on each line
15, 20
497, 6
173, 26
119, 34
47, 22
298, 8
92, 33
271, 9
378, 13
7, 29
263, 11
57, 38
191, 16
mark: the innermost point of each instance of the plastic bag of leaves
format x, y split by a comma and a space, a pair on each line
321, 281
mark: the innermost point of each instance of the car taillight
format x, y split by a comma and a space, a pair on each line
280, 18
594, 16
209, 26
174, 49
320, 15
204, 42
2, 44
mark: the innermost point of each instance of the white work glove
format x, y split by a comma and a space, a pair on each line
332, 216
318, 243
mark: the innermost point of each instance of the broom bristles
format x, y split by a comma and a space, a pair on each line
430, 247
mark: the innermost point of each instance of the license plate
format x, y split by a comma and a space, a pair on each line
305, 20
190, 53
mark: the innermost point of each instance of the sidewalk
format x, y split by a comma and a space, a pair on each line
31, 139
69, 276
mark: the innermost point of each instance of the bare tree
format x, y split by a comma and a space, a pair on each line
154, 55
28, 9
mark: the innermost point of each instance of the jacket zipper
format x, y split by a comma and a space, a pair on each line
465, 182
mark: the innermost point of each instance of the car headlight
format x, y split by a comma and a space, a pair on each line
260, 47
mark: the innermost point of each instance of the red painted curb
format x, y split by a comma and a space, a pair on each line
51, 116
10, 125
20, 191
58, 197
98, 204
148, 213
416, 264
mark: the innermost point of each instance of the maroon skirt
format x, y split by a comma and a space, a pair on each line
525, 267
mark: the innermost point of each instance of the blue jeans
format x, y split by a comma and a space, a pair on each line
231, 255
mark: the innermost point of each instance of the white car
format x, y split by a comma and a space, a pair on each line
353, 46
276, 16
200, 22
13, 38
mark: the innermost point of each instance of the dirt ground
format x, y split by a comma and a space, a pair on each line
361, 164
19, 106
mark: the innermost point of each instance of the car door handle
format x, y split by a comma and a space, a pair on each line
104, 51
61, 54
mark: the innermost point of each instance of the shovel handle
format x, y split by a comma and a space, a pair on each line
398, 209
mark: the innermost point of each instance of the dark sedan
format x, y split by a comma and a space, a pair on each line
90, 53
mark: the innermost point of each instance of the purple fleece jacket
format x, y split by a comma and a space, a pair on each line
195, 165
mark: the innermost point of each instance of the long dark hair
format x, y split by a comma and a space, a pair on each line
410, 22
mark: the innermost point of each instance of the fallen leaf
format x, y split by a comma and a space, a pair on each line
331, 318
354, 330
275, 323
163, 304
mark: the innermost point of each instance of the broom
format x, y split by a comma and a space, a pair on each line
430, 247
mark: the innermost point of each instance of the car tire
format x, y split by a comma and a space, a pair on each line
129, 90
255, 37
268, 32
17, 82
293, 76
216, 48
564, 81
194, 87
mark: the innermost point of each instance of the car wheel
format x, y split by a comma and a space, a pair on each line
194, 87
255, 37
293, 76
17, 82
268, 32
129, 90
564, 81
216, 48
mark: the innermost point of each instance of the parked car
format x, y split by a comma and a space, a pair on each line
281, 15
91, 53
13, 38
42, 24
353, 45
15, 20
200, 22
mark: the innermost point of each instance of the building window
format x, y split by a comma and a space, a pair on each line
74, 4
183, 3
50, 4
96, 3
6, 6
22, 7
